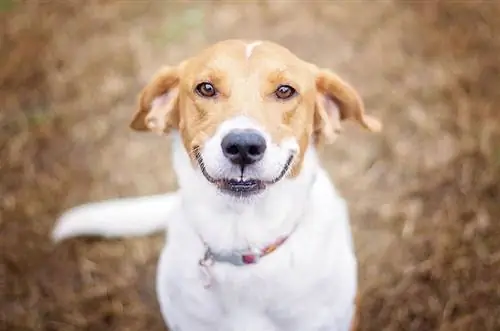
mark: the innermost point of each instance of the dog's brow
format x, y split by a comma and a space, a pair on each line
250, 48
279, 75
212, 74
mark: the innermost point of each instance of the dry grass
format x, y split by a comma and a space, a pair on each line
423, 195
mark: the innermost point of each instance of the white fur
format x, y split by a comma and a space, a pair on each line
250, 48
308, 283
126, 217
268, 168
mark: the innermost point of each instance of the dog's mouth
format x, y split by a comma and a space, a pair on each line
240, 187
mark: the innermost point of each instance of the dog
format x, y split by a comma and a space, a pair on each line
258, 238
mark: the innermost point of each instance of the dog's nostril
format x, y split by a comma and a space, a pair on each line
243, 147
232, 150
254, 150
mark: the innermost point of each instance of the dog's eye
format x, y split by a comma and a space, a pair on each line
206, 90
285, 92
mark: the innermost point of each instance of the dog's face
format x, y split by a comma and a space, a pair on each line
247, 112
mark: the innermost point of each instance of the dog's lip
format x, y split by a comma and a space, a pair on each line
241, 187
260, 184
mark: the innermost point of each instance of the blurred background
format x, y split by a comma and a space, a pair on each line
424, 195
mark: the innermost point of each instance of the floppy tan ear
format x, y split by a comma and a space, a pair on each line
338, 101
157, 107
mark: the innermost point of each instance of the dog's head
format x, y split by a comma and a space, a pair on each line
247, 112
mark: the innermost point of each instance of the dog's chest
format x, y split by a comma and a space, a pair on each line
288, 287
274, 281
289, 294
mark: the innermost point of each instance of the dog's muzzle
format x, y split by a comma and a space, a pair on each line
239, 187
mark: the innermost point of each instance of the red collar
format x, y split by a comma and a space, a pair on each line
239, 258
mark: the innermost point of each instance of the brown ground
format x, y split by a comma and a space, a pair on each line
424, 195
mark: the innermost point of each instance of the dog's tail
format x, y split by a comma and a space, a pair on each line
124, 217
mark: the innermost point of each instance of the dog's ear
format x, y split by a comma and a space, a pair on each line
158, 103
338, 101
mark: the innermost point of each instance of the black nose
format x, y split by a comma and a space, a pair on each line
243, 147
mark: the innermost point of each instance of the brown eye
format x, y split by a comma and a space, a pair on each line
285, 92
206, 90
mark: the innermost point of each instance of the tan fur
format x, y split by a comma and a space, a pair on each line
162, 115
246, 87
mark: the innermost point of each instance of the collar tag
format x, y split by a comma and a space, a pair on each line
205, 263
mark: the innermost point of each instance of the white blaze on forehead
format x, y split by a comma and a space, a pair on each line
250, 48
239, 123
